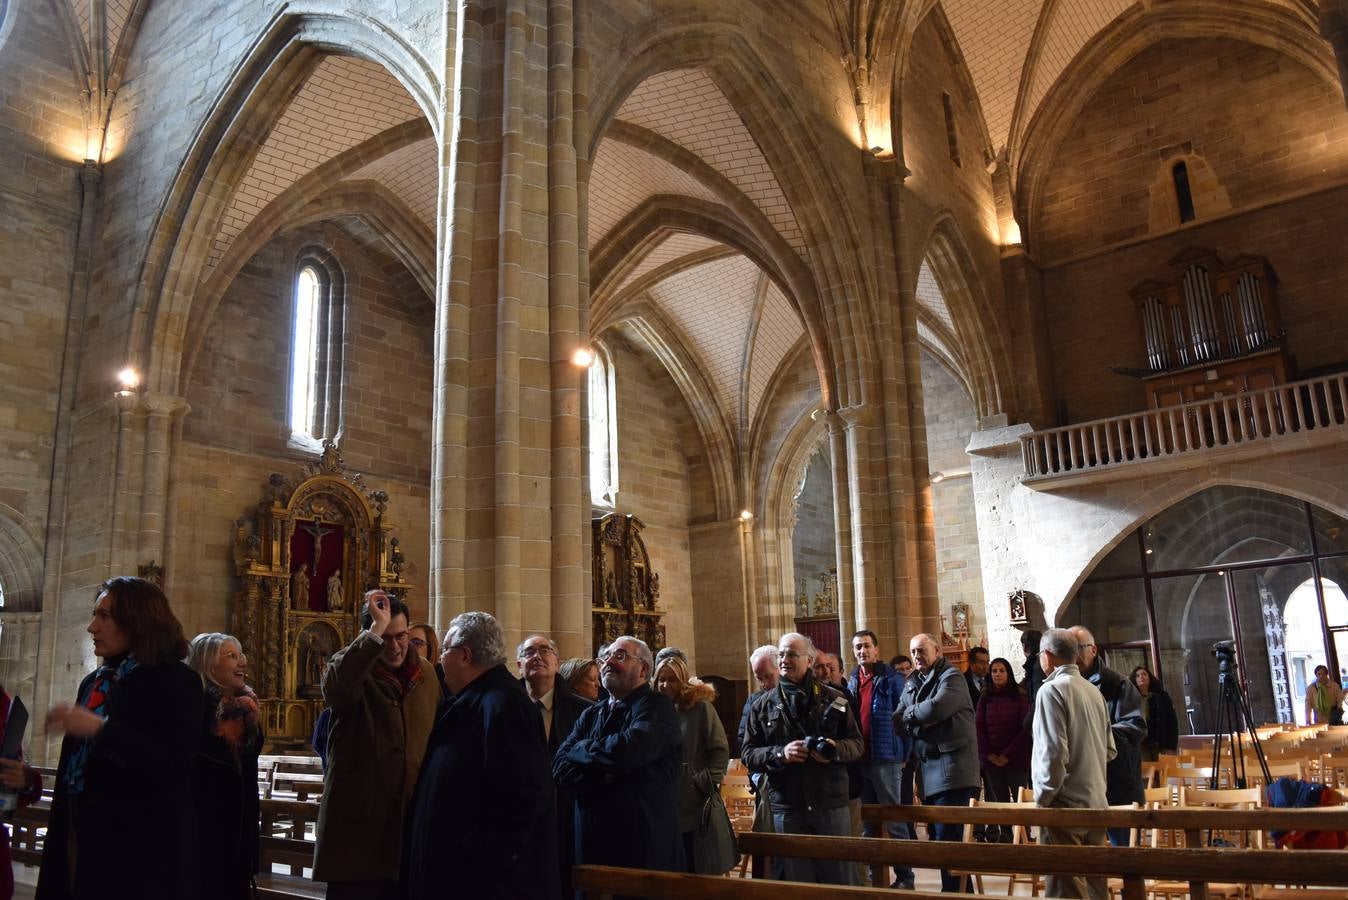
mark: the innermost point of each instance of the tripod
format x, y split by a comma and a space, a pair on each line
1234, 722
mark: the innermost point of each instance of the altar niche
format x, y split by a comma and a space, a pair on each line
625, 590
305, 560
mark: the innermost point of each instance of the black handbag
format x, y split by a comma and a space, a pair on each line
715, 850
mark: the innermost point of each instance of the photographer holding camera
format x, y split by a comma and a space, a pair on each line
802, 735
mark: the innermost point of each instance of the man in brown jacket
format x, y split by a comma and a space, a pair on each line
383, 702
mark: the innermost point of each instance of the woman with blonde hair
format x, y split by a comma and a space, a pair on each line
706, 754
227, 801
581, 676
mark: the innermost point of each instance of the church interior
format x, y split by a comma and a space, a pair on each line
698, 320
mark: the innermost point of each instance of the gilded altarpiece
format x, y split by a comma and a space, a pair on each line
314, 547
626, 590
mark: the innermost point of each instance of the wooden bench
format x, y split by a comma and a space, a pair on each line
601, 882
1133, 865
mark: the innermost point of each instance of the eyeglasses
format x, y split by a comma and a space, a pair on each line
618, 656
417, 642
531, 652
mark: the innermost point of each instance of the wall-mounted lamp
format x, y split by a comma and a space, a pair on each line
938, 477
127, 380
583, 357
746, 516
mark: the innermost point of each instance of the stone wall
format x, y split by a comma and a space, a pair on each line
653, 479
1275, 139
814, 547
950, 421
237, 432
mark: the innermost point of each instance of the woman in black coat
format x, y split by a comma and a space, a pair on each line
227, 801
123, 818
1159, 711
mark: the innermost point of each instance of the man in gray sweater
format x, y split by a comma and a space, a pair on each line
1073, 743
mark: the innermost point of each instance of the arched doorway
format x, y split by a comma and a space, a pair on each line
1227, 564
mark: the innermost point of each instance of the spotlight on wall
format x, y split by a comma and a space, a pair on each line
128, 379
948, 474
583, 357
937, 477
745, 515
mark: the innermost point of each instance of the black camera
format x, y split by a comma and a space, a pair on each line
1224, 650
834, 722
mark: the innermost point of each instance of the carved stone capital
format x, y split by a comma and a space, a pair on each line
861, 414
168, 405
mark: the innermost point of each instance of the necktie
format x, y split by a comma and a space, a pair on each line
543, 711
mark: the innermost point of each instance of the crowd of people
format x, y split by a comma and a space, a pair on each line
445, 768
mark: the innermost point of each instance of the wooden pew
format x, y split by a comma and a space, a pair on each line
602, 882
1133, 865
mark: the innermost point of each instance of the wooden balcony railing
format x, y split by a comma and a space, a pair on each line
1245, 419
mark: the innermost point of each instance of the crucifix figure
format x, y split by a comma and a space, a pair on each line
317, 529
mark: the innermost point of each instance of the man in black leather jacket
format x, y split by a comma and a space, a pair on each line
807, 788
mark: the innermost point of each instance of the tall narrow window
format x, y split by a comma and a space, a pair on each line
603, 432
951, 135
1183, 195
304, 354
316, 351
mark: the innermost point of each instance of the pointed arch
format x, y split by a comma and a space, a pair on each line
231, 135
1253, 21
978, 331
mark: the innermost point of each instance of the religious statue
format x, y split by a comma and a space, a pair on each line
299, 587
335, 592
311, 663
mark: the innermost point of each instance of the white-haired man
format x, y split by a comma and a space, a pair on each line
1073, 744
802, 734
487, 760
936, 712
622, 760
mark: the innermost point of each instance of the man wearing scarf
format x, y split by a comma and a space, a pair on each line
383, 702
807, 789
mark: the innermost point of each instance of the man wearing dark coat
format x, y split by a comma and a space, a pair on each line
622, 760
559, 708
482, 819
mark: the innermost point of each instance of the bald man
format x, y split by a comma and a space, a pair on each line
935, 710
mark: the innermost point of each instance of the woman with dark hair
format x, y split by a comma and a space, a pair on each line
24, 785
123, 820
227, 801
706, 755
581, 676
1159, 711
1002, 722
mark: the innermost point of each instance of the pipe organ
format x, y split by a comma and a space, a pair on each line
1210, 330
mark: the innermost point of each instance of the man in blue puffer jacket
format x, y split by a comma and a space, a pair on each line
877, 689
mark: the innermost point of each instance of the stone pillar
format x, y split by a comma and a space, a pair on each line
160, 412
509, 524
1022, 285
1334, 28
122, 539
842, 519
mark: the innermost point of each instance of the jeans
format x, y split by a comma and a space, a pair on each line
943, 831
882, 782
827, 822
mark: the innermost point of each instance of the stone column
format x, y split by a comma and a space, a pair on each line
160, 411
842, 519
1334, 28
509, 529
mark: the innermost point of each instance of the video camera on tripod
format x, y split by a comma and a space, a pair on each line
1234, 721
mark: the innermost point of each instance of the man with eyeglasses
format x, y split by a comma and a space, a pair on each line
483, 812
383, 702
1123, 775
803, 735
622, 760
538, 661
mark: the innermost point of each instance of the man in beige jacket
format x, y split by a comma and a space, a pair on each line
1073, 742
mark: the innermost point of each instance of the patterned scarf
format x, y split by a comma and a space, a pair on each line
95, 698
236, 719
405, 678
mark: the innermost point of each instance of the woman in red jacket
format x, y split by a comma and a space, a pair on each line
15, 778
1002, 720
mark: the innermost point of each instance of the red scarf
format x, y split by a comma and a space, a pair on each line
404, 678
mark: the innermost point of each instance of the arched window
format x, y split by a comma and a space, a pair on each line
315, 408
1183, 194
603, 431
